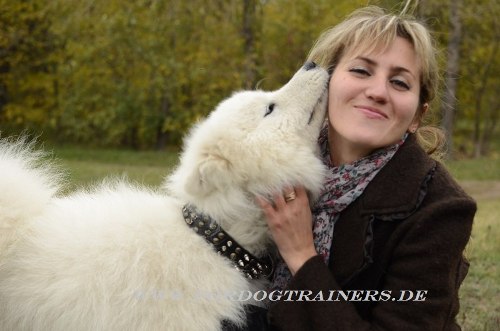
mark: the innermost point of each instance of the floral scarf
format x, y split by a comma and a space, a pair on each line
343, 185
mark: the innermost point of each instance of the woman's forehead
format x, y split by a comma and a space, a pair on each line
366, 48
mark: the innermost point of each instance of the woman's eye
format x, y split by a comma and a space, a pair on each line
401, 85
269, 109
360, 71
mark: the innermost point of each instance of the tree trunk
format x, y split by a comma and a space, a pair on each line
249, 32
451, 75
162, 136
481, 137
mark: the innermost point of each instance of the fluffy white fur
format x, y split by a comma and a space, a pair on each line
120, 257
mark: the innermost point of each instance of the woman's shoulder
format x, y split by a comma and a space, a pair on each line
409, 179
444, 185
445, 208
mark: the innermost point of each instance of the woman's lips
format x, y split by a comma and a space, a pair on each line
372, 112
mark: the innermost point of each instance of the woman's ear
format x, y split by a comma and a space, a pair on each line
418, 118
425, 107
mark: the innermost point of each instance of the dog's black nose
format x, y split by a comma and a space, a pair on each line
309, 65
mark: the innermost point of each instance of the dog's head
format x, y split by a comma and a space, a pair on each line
255, 143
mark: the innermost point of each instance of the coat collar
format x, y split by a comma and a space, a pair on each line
397, 188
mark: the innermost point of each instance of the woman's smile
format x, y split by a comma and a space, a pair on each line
371, 112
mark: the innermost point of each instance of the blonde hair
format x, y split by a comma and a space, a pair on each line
371, 28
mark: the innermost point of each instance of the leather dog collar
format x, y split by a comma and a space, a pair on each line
251, 266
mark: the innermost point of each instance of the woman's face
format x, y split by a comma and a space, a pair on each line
373, 98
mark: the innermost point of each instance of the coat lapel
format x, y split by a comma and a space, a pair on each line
397, 187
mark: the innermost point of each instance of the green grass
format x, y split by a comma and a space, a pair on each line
480, 308
149, 167
86, 167
475, 169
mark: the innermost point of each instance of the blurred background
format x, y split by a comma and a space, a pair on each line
111, 87
136, 74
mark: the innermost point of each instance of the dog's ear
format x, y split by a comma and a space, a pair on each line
210, 174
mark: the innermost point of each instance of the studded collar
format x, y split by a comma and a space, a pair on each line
251, 266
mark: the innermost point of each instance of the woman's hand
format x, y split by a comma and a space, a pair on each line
290, 224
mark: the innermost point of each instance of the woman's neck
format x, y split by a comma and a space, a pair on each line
343, 151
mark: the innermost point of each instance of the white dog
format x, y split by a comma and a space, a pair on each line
121, 257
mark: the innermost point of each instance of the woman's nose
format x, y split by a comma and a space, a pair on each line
377, 89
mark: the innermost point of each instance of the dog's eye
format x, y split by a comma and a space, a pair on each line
269, 109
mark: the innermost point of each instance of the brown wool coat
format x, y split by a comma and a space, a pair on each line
407, 231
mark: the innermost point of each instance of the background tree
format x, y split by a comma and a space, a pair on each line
28, 65
138, 73
251, 31
480, 77
451, 73
474, 108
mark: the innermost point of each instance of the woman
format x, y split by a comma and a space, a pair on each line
382, 248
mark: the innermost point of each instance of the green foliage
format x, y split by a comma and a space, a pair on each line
28, 62
138, 79
289, 34
479, 99
139, 73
